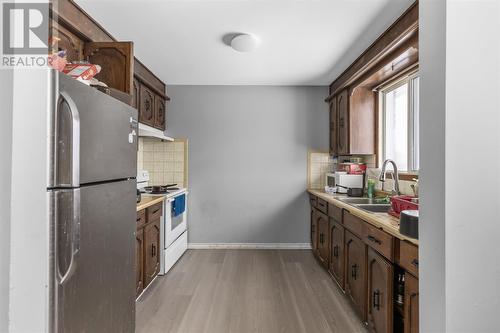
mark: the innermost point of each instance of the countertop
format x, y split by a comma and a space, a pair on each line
150, 200
382, 221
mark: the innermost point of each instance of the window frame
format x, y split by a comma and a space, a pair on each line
412, 149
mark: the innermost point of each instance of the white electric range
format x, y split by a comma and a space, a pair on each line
173, 228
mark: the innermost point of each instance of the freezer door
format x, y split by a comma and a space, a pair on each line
94, 136
93, 280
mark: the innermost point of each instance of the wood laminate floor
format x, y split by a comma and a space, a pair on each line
240, 291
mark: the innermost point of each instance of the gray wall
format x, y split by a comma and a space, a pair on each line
248, 159
6, 96
460, 121
432, 53
472, 125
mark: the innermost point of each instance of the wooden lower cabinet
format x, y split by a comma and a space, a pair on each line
355, 274
147, 248
151, 251
314, 231
380, 291
371, 266
411, 304
323, 238
336, 267
139, 261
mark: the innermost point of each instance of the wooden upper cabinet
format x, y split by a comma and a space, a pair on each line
135, 93
146, 106
66, 40
151, 251
380, 304
411, 304
355, 282
160, 113
343, 123
117, 63
333, 127
362, 122
352, 122
336, 266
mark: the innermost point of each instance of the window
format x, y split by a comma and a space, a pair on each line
399, 120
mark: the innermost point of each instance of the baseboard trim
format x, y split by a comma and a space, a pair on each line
250, 246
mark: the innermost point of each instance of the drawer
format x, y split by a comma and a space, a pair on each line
408, 257
335, 212
379, 241
154, 212
312, 200
353, 223
322, 205
141, 218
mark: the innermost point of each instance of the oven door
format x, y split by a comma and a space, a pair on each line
174, 226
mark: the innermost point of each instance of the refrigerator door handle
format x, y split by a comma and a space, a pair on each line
67, 143
73, 217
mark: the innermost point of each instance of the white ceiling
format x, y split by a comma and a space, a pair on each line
302, 42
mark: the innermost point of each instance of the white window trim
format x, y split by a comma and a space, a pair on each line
411, 118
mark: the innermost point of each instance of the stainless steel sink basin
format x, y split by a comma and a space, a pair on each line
364, 201
374, 208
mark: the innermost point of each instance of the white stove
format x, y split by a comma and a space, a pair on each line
173, 229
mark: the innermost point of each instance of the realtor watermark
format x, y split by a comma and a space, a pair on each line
25, 34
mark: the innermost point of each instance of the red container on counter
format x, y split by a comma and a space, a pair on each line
400, 203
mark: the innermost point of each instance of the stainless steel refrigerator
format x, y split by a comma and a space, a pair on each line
92, 210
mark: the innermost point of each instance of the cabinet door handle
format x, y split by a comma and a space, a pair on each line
373, 239
354, 273
153, 250
376, 299
336, 251
414, 262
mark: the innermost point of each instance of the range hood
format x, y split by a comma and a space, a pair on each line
150, 132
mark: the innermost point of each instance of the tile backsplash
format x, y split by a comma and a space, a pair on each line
404, 185
165, 161
373, 172
320, 163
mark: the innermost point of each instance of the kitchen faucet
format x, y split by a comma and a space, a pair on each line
395, 175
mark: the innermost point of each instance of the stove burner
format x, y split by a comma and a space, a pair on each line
162, 189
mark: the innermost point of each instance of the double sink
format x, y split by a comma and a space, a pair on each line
373, 205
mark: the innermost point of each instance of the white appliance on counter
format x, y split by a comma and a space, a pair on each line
347, 180
342, 178
173, 229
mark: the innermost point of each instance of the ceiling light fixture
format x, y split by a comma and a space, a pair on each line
244, 43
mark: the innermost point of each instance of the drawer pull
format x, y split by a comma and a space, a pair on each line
138, 219
376, 299
414, 262
375, 240
156, 211
354, 271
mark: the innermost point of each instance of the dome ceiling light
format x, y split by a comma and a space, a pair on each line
244, 43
